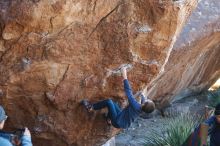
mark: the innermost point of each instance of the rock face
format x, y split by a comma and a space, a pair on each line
53, 53
194, 63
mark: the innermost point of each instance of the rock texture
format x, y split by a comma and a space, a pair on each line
53, 53
194, 63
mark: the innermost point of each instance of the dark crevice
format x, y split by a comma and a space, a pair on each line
94, 5
103, 18
51, 22
66, 27
64, 76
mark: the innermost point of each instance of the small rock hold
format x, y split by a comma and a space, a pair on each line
50, 96
143, 29
12, 30
1, 93
117, 71
25, 63
41, 118
2, 48
37, 129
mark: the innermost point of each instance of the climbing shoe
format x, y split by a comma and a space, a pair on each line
87, 105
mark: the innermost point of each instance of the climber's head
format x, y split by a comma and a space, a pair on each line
3, 117
148, 106
217, 112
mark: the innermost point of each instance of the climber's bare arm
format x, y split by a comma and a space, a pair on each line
124, 72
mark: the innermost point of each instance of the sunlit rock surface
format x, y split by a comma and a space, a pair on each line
53, 53
194, 63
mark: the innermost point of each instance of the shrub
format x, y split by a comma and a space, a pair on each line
213, 97
174, 132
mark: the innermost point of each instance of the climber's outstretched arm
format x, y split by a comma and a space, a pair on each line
128, 91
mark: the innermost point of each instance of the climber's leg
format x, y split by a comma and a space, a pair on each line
112, 109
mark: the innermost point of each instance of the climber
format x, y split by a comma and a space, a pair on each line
214, 124
122, 118
7, 139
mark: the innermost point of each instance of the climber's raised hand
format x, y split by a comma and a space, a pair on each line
124, 72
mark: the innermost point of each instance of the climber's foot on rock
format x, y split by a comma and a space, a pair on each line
87, 105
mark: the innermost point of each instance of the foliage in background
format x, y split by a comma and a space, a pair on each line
213, 97
175, 131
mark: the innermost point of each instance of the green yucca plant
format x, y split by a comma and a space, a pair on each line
213, 97
174, 132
